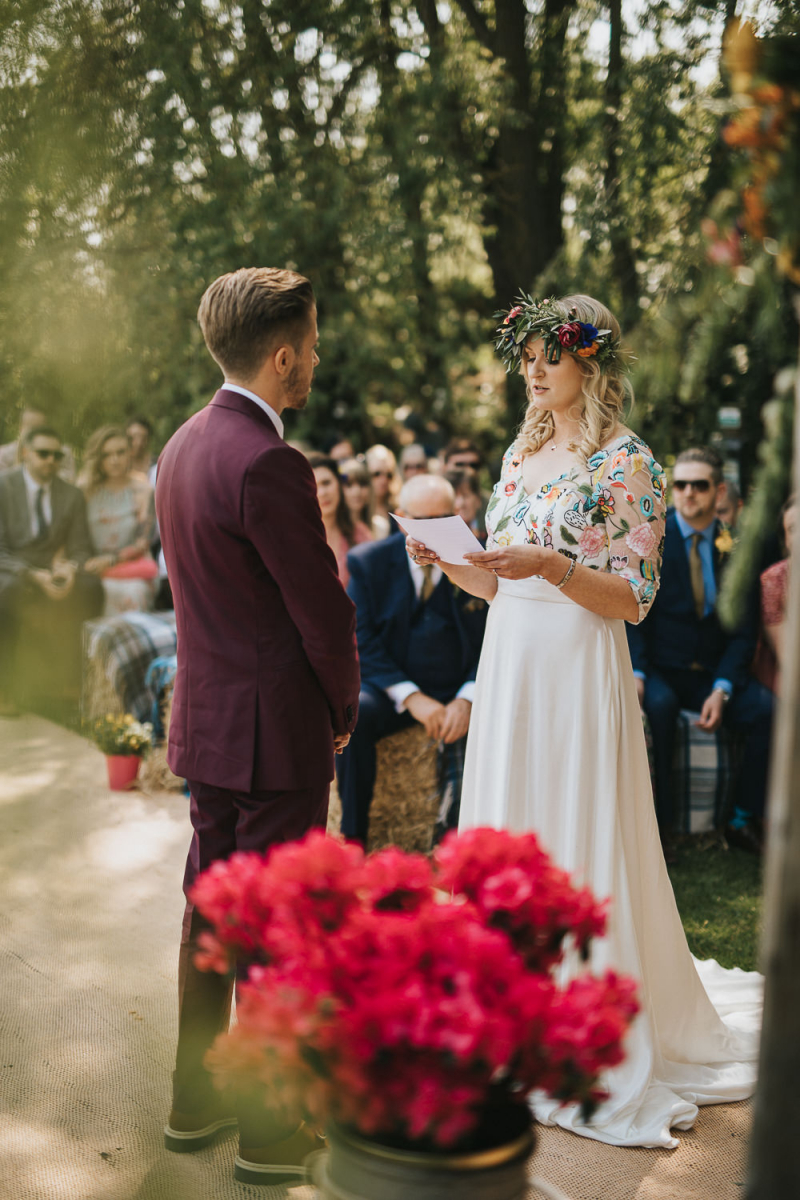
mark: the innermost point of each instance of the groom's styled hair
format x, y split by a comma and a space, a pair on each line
246, 314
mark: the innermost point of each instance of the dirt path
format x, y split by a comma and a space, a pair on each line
88, 940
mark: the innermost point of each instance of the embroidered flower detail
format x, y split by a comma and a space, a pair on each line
642, 540
592, 541
510, 488
619, 562
646, 505
503, 539
575, 518
604, 501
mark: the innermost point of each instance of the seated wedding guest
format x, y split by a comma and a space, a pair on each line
357, 489
684, 658
44, 544
774, 589
386, 481
121, 515
341, 529
31, 418
730, 504
342, 450
413, 461
469, 500
139, 433
419, 640
461, 452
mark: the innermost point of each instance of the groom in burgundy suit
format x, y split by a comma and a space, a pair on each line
267, 683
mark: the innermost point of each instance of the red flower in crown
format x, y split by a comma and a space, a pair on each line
514, 312
569, 334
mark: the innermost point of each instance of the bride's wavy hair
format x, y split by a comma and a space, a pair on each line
606, 391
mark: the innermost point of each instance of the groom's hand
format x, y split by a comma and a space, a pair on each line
428, 712
340, 741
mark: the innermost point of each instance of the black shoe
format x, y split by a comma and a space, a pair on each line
185, 1132
280, 1162
745, 837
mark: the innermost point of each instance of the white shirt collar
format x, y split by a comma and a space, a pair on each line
33, 487
273, 416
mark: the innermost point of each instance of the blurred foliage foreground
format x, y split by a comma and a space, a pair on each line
419, 161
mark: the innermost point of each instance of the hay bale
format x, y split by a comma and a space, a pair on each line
98, 695
406, 799
154, 774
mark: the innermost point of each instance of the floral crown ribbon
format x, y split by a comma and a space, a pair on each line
541, 318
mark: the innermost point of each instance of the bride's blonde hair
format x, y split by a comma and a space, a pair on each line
606, 391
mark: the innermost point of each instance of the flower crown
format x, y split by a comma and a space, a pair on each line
541, 318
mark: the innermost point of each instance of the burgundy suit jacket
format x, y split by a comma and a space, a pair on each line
267, 659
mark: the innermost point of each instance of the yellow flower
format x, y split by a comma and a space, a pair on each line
503, 540
724, 542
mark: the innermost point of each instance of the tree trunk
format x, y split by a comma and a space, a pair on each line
524, 184
623, 263
774, 1167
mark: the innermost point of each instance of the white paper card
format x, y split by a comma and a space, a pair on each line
450, 537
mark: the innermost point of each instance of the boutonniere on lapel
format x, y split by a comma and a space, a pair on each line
724, 542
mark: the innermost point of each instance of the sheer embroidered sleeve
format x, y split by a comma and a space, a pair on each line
628, 487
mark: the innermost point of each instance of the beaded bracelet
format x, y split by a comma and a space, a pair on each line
568, 576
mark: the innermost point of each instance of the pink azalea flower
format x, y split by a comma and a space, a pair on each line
642, 540
592, 541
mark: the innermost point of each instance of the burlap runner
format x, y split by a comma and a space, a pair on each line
88, 940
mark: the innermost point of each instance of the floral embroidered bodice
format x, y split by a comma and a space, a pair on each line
609, 515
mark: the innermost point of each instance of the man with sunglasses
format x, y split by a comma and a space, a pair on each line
684, 659
44, 542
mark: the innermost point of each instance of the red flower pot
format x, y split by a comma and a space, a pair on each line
122, 771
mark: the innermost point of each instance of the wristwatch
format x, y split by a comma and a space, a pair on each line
725, 695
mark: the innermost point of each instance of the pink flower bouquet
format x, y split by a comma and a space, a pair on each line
403, 997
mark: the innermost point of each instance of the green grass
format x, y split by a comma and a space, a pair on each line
719, 895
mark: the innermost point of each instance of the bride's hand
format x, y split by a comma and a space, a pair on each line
420, 553
513, 562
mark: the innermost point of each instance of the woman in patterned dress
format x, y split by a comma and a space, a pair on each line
556, 744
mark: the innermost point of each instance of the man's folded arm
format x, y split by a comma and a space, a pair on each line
282, 520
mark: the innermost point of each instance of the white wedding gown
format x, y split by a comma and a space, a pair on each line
556, 745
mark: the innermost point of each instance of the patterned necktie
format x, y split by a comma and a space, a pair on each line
696, 575
41, 521
427, 583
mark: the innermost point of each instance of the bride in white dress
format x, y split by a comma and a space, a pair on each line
556, 743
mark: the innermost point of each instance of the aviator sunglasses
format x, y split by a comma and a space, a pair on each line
699, 485
55, 454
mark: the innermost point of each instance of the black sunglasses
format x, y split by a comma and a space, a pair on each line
56, 454
699, 485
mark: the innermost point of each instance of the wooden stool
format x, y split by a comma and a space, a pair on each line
406, 800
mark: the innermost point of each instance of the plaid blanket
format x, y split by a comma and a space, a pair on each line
701, 775
124, 647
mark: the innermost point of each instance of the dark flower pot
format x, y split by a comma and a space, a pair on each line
358, 1168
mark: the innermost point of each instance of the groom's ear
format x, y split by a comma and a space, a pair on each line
283, 359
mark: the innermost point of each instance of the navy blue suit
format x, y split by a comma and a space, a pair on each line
682, 656
434, 645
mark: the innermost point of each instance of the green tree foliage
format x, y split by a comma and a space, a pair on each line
419, 161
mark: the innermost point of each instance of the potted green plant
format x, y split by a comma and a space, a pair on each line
124, 741
409, 1006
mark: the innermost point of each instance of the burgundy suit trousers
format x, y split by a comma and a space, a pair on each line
223, 822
